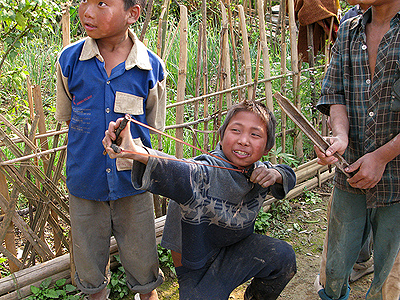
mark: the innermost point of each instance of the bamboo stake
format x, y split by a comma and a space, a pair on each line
10, 237
198, 82
30, 99
233, 42
295, 69
226, 62
282, 13
205, 73
162, 28
65, 23
181, 77
37, 98
265, 55
246, 50
149, 11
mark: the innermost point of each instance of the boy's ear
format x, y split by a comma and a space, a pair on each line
134, 14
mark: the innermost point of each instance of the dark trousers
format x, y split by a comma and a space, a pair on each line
270, 262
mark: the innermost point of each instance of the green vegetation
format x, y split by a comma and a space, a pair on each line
60, 290
117, 285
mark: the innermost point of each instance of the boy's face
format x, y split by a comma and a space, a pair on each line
106, 19
244, 139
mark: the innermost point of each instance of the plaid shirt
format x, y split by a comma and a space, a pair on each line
373, 116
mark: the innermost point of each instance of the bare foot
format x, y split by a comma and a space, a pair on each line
150, 296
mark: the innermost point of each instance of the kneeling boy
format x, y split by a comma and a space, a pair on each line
210, 221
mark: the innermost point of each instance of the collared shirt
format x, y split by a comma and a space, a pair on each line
90, 99
374, 119
351, 13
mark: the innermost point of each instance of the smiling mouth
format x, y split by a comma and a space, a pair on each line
241, 153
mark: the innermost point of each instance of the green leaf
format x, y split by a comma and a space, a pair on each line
51, 294
35, 290
20, 19
60, 282
45, 283
70, 288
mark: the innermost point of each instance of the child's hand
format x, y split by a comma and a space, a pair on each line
124, 139
265, 177
129, 148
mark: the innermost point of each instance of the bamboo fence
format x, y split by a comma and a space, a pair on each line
32, 162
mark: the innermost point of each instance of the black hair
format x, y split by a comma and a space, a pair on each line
259, 109
130, 3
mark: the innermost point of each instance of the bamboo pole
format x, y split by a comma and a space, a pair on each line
311, 63
65, 24
30, 99
162, 28
221, 85
181, 77
37, 98
9, 240
197, 85
265, 55
49, 133
295, 69
282, 13
246, 50
233, 42
205, 74
266, 66
149, 11
226, 61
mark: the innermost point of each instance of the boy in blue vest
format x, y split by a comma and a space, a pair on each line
101, 78
210, 219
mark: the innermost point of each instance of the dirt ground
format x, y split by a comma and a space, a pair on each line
306, 225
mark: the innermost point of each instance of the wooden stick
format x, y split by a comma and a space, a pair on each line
246, 49
295, 68
205, 73
198, 83
265, 55
149, 11
181, 77
282, 13
10, 237
30, 99
233, 42
65, 23
39, 154
226, 62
